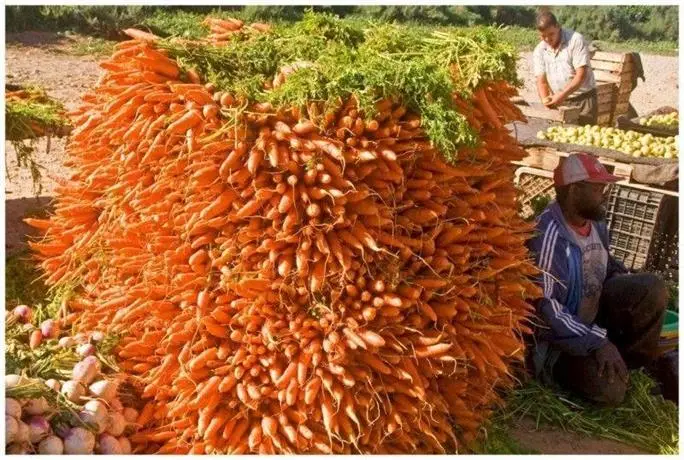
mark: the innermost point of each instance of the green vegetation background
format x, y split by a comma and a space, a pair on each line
636, 27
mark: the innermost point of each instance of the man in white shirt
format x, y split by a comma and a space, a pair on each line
562, 67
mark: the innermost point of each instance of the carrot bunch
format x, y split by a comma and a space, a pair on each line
295, 281
222, 30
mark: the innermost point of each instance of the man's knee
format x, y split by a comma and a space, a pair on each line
657, 291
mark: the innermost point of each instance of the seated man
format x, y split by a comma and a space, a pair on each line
562, 67
600, 321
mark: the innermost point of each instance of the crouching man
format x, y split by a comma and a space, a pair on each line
599, 320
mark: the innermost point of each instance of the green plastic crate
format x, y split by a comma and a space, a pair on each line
671, 323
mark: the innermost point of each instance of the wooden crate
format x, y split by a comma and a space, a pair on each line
616, 69
562, 114
604, 119
605, 94
621, 109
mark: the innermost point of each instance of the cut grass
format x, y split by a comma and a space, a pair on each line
645, 421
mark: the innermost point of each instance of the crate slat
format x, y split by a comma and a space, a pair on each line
605, 88
625, 88
623, 97
605, 99
613, 67
611, 57
602, 75
604, 119
621, 108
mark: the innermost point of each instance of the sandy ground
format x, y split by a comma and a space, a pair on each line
41, 59
37, 58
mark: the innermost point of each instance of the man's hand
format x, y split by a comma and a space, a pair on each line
610, 362
554, 100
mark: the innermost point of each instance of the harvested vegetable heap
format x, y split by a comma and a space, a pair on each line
30, 114
317, 251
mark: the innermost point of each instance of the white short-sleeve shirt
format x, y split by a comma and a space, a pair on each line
560, 65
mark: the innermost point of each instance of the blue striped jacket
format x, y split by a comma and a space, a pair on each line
560, 261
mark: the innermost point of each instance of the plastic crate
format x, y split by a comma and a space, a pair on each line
632, 220
532, 184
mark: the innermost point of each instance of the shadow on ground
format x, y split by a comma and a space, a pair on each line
35, 38
16, 231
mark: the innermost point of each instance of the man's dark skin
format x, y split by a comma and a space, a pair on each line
585, 201
551, 34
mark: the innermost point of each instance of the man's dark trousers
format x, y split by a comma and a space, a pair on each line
631, 309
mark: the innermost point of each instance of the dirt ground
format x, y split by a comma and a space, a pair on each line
550, 441
43, 59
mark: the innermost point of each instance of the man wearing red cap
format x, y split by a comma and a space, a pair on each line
600, 320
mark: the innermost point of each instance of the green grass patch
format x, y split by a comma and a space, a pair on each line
92, 46
663, 48
22, 283
525, 39
645, 421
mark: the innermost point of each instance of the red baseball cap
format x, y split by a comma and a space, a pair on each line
581, 167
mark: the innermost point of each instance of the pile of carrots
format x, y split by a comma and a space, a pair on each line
285, 286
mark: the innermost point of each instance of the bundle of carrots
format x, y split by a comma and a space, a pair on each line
285, 286
30, 113
222, 30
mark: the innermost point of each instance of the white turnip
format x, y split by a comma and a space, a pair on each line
23, 312
66, 342
125, 445
130, 414
86, 349
12, 380
36, 406
86, 370
22, 433
50, 329
39, 428
116, 423
97, 336
52, 445
108, 445
79, 441
73, 390
53, 384
11, 429
13, 408
95, 412
104, 389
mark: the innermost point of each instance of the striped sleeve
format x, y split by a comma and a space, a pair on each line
567, 331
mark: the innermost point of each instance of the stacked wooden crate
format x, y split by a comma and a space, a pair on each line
614, 75
605, 93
